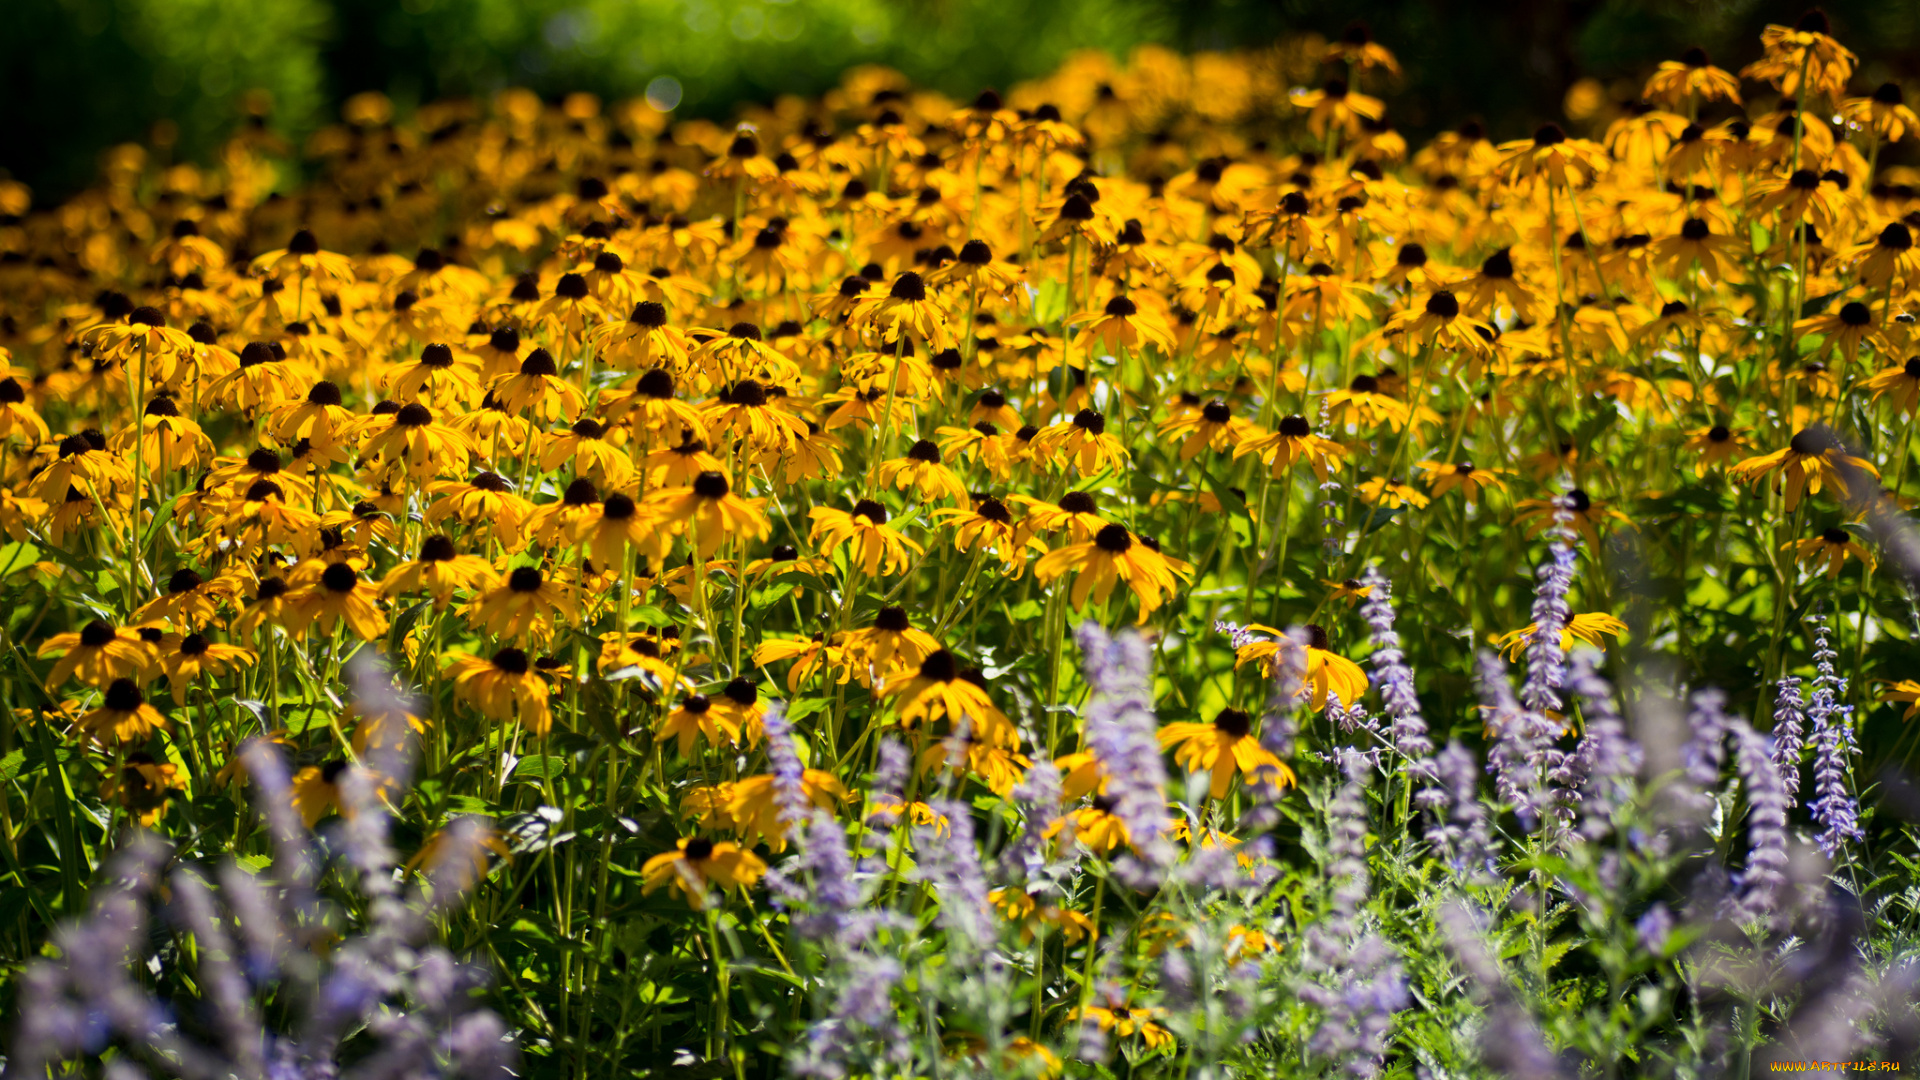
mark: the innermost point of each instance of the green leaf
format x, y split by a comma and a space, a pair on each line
161, 518
17, 556
540, 767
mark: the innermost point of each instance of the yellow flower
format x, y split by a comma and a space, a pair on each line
1125, 1020
339, 596
906, 309
1112, 557
1550, 156
756, 813
1805, 466
939, 689
1906, 691
1293, 442
123, 716
98, 653
696, 865
525, 608
1223, 748
185, 659
709, 512
1327, 674
1715, 445
504, 687
1591, 627
1828, 551
1690, 78
865, 530
413, 443
439, 571
142, 787
922, 471
1443, 477
1083, 442
1124, 327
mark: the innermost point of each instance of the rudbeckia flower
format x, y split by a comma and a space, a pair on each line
1845, 329
709, 512
1805, 49
873, 545
1715, 445
1326, 672
1440, 324
1126, 1020
759, 816
999, 768
1112, 557
990, 525
1443, 477
438, 571
1291, 443
1804, 467
1591, 628
186, 658
415, 444
1588, 515
1082, 442
697, 717
1828, 551
1363, 405
922, 472
1391, 494
1907, 692
1020, 906
1552, 156
698, 865
1095, 826
1223, 748
340, 595
1691, 79
1123, 326
1901, 385
98, 653
143, 339
123, 715
486, 503
537, 390
939, 689
652, 410
503, 687
142, 787
525, 608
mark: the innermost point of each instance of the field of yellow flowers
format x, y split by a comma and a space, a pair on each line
1149, 575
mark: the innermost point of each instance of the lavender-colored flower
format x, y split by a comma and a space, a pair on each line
1654, 928
1545, 659
1510, 1041
1789, 735
406, 1001
1123, 734
1461, 833
1407, 728
1523, 758
1766, 871
1607, 759
1278, 728
1833, 805
950, 864
789, 775
1705, 751
1355, 979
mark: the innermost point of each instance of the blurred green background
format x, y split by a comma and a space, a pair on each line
80, 75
